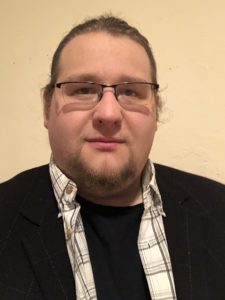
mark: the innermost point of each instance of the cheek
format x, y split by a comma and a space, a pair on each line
147, 136
65, 122
143, 134
64, 131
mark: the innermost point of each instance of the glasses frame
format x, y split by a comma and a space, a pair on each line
154, 86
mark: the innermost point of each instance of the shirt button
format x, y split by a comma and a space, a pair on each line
68, 234
69, 189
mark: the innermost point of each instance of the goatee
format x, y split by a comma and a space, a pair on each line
105, 180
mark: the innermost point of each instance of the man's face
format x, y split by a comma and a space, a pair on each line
105, 147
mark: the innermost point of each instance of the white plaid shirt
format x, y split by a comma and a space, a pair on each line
152, 242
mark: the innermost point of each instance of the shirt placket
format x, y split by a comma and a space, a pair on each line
154, 253
77, 246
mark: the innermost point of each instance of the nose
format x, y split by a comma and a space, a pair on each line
108, 111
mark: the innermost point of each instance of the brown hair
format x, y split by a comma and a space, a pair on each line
110, 24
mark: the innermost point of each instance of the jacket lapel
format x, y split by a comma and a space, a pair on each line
44, 241
176, 228
183, 227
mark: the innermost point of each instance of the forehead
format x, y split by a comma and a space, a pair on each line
104, 55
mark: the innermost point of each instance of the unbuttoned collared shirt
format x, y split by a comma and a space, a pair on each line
152, 244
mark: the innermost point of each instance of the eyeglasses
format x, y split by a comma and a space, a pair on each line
90, 93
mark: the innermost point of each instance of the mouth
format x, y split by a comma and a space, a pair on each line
105, 144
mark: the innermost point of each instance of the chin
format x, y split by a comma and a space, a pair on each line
107, 165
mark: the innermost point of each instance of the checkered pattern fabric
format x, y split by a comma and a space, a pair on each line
152, 242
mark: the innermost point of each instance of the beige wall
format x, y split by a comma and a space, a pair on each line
188, 40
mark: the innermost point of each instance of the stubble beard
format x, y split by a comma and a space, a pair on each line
104, 181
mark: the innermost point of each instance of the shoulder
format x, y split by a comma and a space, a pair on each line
23, 180
176, 176
207, 192
14, 191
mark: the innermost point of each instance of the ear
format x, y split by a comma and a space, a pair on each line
46, 108
45, 120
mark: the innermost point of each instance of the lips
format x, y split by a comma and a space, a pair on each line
105, 140
104, 143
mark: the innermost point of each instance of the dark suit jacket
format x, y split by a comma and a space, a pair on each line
34, 263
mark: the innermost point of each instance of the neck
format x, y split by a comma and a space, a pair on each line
128, 196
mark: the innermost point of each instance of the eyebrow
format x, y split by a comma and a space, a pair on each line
96, 78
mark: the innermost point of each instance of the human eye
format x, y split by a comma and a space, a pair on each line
87, 90
79, 90
76, 89
131, 91
128, 91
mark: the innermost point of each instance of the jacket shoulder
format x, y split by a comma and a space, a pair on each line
23, 179
176, 176
15, 191
20, 186
209, 193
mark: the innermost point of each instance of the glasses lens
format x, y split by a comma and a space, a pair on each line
134, 93
80, 92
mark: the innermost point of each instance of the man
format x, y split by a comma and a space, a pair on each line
102, 221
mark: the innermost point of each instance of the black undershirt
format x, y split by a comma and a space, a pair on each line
112, 234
